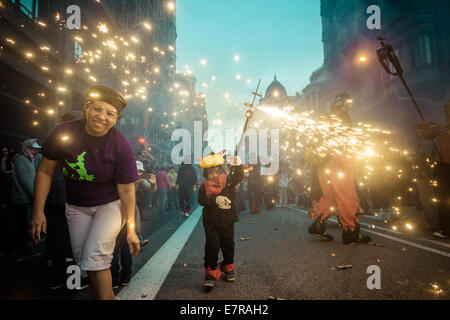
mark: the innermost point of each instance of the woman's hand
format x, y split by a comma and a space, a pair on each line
37, 225
133, 242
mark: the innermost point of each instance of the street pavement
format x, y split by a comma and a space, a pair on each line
279, 260
282, 260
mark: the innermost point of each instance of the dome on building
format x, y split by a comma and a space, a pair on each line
276, 90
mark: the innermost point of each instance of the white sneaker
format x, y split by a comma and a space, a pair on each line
186, 215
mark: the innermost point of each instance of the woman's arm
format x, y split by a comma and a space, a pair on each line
42, 185
128, 200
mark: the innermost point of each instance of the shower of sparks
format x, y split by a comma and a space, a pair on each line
325, 136
328, 136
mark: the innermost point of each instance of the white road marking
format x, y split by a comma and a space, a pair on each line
442, 253
152, 275
436, 242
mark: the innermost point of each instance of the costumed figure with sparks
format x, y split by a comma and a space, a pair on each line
335, 173
217, 196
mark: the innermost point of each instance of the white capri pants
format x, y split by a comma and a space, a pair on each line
93, 232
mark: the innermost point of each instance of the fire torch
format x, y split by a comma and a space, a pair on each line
386, 54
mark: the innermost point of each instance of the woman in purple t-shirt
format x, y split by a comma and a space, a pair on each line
100, 170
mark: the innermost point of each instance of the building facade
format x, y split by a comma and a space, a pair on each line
48, 66
190, 110
418, 30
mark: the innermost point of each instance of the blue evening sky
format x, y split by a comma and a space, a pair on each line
280, 37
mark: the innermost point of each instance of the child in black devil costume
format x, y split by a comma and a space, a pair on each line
217, 196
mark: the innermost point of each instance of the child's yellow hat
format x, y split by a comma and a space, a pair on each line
211, 161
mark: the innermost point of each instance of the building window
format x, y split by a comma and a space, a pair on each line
78, 52
425, 49
30, 8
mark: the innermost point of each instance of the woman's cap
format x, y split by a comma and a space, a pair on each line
108, 95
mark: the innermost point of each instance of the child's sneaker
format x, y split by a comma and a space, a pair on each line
211, 276
230, 276
209, 281
228, 269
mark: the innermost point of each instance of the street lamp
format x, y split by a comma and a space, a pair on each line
171, 6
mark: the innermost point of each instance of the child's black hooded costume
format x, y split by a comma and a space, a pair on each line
219, 214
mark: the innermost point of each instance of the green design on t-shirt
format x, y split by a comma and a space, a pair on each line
80, 168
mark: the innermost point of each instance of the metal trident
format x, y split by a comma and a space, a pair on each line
249, 114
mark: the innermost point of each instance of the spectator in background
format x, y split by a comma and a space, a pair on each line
442, 169
164, 187
23, 176
6, 165
57, 240
5, 197
283, 183
197, 185
254, 184
144, 186
37, 155
186, 182
173, 195
122, 259
423, 176
147, 159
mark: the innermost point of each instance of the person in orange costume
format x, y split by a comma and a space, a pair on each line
338, 187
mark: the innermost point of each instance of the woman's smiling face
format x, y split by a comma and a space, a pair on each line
100, 118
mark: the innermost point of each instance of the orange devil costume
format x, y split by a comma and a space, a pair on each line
338, 187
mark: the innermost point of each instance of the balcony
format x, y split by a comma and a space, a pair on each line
21, 15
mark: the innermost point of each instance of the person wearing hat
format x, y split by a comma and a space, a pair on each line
217, 196
145, 184
23, 176
338, 186
99, 167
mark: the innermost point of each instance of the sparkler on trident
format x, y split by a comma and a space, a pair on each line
386, 54
248, 114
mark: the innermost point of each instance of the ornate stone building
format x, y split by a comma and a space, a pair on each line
420, 33
277, 96
190, 108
